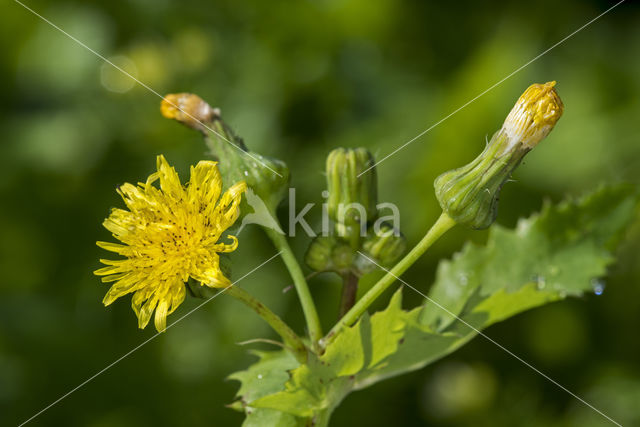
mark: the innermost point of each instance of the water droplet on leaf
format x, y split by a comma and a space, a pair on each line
598, 286
540, 281
463, 278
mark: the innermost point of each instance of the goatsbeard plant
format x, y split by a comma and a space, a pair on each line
177, 239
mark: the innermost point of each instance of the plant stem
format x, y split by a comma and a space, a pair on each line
290, 338
322, 417
441, 226
349, 292
308, 306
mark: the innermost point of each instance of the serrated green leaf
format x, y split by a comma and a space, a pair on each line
536, 263
545, 258
313, 387
268, 375
271, 418
560, 250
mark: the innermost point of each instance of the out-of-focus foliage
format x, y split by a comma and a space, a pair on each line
297, 79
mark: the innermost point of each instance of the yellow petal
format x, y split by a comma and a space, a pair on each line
215, 279
160, 319
205, 184
113, 247
224, 247
120, 288
169, 180
146, 310
178, 297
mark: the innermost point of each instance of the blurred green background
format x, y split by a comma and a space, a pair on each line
297, 79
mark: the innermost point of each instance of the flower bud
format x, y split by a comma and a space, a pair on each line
534, 115
385, 247
469, 195
268, 178
352, 198
327, 253
188, 109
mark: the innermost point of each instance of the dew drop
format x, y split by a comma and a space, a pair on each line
246, 173
463, 279
539, 280
259, 376
598, 286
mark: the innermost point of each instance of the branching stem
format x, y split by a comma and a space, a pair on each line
291, 340
441, 226
300, 283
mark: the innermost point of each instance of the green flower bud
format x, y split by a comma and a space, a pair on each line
267, 177
350, 196
469, 195
327, 253
385, 247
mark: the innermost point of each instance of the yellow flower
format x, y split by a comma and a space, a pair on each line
169, 234
534, 115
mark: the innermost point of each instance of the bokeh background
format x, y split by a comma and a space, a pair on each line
297, 79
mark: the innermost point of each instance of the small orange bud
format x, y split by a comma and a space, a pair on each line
188, 109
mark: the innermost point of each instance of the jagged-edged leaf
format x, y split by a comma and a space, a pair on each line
271, 418
268, 375
547, 257
559, 251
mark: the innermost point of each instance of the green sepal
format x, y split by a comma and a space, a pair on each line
351, 180
267, 177
470, 194
328, 253
384, 247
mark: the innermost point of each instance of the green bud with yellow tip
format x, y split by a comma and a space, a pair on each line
469, 195
267, 177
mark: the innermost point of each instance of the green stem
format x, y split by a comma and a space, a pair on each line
441, 226
290, 338
299, 281
321, 418
349, 292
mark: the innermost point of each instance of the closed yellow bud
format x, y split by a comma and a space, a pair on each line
470, 194
188, 109
534, 115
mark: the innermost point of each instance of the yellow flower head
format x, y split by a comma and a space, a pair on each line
169, 234
534, 115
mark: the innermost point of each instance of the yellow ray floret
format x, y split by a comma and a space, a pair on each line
534, 115
169, 234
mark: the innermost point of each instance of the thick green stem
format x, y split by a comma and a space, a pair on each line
291, 340
300, 283
441, 226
